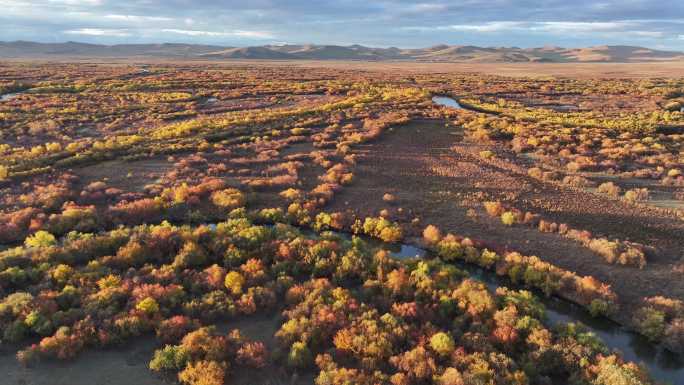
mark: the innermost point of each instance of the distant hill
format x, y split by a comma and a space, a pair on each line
247, 53
438, 53
19, 49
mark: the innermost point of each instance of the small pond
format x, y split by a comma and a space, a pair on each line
446, 101
6, 97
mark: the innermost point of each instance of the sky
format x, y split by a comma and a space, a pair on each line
400, 23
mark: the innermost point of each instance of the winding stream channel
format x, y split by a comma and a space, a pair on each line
662, 364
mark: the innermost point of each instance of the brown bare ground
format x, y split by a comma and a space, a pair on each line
128, 176
129, 364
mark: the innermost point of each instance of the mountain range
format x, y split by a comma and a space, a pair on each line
438, 53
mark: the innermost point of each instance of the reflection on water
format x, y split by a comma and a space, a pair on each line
446, 101
6, 97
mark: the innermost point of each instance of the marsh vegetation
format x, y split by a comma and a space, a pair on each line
176, 204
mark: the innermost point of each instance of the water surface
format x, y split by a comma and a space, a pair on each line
6, 97
446, 101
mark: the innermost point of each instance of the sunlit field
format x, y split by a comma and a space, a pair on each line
207, 223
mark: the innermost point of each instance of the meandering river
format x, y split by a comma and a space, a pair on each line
662, 364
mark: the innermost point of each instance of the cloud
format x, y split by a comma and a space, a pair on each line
607, 28
403, 23
76, 2
546, 26
650, 34
485, 27
236, 33
99, 32
574, 26
137, 18
427, 7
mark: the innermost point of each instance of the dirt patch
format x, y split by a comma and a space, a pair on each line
660, 196
262, 327
127, 176
127, 365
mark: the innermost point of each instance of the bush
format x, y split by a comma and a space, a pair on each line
577, 181
299, 356
609, 188
449, 248
486, 154
204, 373
234, 282
174, 328
674, 336
637, 195
599, 307
148, 306
451, 376
432, 235
15, 331
292, 194
508, 218
383, 229
494, 209
611, 372
228, 199
322, 222
169, 358
253, 354
40, 239
651, 323
442, 343
191, 255
536, 172
62, 273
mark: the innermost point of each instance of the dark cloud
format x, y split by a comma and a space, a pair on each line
390, 22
